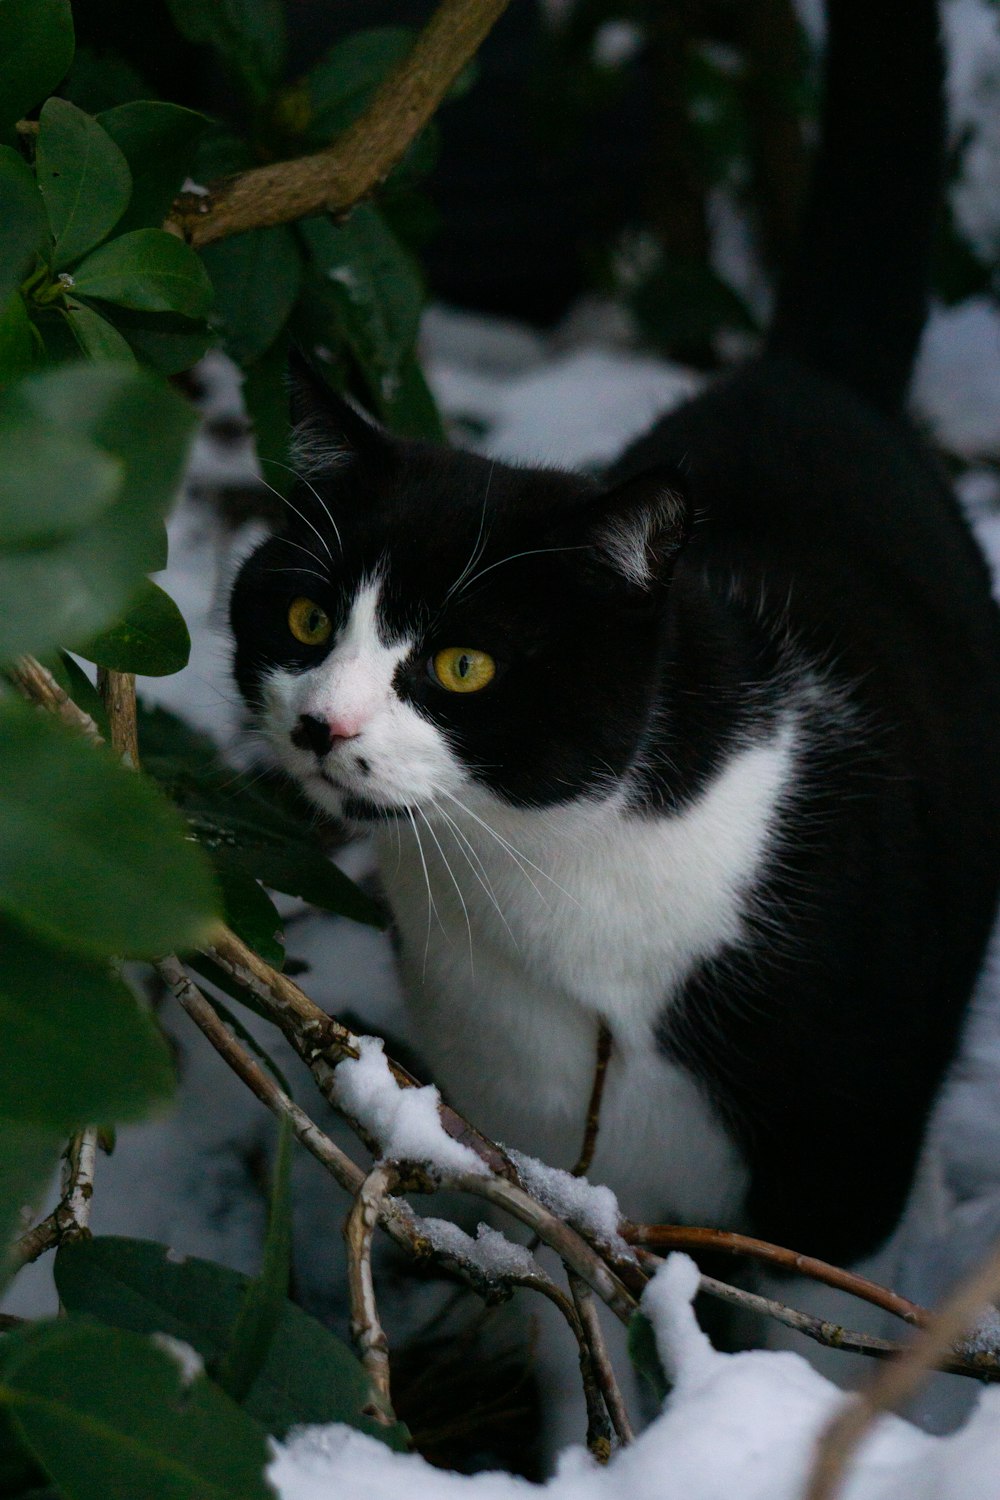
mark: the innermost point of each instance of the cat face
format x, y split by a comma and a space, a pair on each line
429, 622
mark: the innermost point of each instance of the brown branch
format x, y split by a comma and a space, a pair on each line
593, 1118
117, 690
664, 1237
344, 173
70, 1219
366, 1327
600, 1359
903, 1377
37, 684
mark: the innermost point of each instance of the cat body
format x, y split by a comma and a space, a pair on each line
704, 752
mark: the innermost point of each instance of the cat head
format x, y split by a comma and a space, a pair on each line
429, 623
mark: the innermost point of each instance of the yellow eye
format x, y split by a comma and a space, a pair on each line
308, 623
461, 670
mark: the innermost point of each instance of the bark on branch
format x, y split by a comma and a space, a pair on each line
344, 173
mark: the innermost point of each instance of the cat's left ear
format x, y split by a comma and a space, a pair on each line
326, 427
640, 525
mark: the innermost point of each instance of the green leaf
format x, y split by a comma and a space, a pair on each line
265, 1297
256, 279
265, 396
17, 343
86, 1053
82, 176
99, 81
158, 141
251, 914
97, 338
49, 485
245, 828
148, 270
24, 224
169, 343
150, 639
409, 407
61, 591
107, 1413
36, 53
73, 680
343, 82
308, 1375
249, 36
90, 854
28, 1157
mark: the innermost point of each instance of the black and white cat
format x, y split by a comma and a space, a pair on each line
707, 752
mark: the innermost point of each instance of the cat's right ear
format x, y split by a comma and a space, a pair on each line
327, 429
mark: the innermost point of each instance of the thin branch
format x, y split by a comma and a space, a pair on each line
117, 690
593, 1119
600, 1359
366, 1326
903, 1377
663, 1237
70, 1219
37, 684
347, 171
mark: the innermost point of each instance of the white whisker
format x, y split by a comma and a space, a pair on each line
530, 552
295, 511
309, 485
458, 888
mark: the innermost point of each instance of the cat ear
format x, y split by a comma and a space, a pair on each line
327, 427
640, 525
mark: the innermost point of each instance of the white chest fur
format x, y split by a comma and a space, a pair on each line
521, 929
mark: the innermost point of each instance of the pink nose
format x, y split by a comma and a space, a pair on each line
320, 735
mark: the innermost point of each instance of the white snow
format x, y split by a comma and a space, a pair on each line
404, 1121
491, 1252
956, 384
735, 1427
589, 1206
187, 1360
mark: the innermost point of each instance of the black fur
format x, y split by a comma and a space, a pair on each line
819, 559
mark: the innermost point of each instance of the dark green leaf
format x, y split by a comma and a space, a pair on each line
371, 287
20, 1475
645, 1356
90, 854
24, 225
102, 81
73, 680
265, 396
245, 828
266, 1295
97, 338
36, 52
342, 83
249, 36
410, 408
169, 343
251, 913
83, 177
50, 485
256, 279
148, 270
107, 1413
309, 1376
17, 345
158, 141
150, 639
61, 592
86, 1052
28, 1157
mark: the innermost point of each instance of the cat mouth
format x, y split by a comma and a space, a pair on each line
357, 808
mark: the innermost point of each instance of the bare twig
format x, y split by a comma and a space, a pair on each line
355, 164
117, 690
662, 1237
902, 1378
37, 684
593, 1119
598, 1350
366, 1326
70, 1219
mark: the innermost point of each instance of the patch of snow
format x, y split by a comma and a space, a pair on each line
956, 386
404, 1121
490, 1252
616, 43
735, 1427
187, 1360
588, 1205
